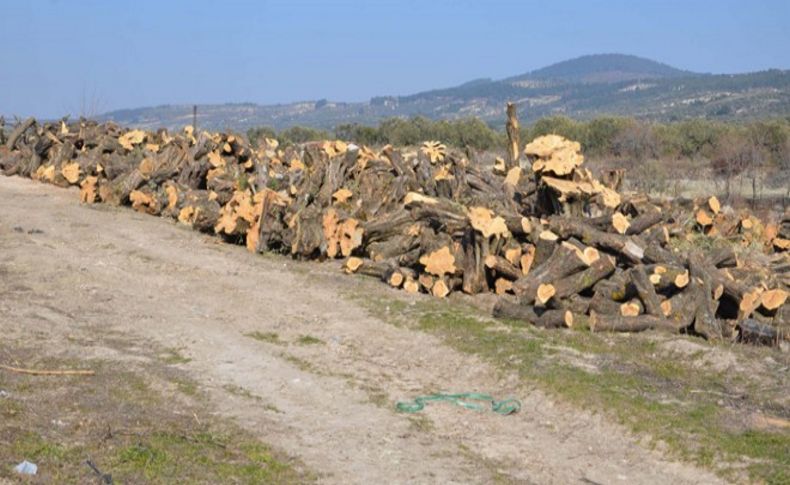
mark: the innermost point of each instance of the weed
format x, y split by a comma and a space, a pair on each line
270, 337
309, 340
173, 356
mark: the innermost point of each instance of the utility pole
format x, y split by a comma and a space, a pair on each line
194, 118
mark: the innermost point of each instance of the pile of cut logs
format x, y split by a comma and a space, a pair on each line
561, 247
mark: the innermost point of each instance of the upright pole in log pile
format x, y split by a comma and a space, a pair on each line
512, 137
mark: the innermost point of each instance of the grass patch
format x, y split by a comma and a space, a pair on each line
10, 408
309, 340
134, 423
698, 413
173, 356
421, 423
186, 387
270, 337
164, 456
301, 364
240, 391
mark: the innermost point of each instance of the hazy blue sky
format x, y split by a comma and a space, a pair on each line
114, 54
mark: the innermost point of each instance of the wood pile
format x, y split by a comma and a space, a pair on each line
741, 227
562, 248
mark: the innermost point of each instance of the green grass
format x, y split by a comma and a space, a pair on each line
421, 423
141, 429
173, 356
627, 378
162, 457
186, 387
270, 337
32, 447
309, 340
240, 391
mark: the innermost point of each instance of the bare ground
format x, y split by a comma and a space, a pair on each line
284, 350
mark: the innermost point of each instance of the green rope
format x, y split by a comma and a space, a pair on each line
465, 400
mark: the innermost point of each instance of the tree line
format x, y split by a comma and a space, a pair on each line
726, 145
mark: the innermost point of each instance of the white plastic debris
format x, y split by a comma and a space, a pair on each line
26, 468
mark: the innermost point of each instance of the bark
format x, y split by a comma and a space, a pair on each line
646, 291
540, 317
583, 280
640, 323
562, 262
18, 132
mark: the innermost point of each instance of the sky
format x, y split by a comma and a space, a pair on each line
70, 56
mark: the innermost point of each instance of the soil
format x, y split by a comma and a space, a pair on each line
285, 350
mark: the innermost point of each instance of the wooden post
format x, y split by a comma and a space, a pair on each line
512, 136
194, 119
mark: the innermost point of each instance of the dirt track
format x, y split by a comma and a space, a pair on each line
94, 270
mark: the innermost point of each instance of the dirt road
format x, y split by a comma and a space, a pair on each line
326, 374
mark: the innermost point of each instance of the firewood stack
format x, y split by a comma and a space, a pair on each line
560, 247
741, 227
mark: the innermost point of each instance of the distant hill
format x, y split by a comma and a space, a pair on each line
603, 68
585, 87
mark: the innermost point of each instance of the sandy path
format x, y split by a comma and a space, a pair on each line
330, 404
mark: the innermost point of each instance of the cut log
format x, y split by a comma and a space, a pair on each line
773, 299
644, 222
714, 204
502, 266
146, 201
539, 317
680, 307
544, 247
474, 275
71, 172
544, 293
411, 286
439, 262
619, 323
426, 281
705, 322
631, 308
352, 264
703, 218
89, 191
578, 282
440, 288
513, 255
502, 286
527, 259
646, 291
626, 246
754, 332
564, 261
489, 225
18, 132
199, 211
620, 223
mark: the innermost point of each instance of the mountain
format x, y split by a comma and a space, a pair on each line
585, 87
603, 68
